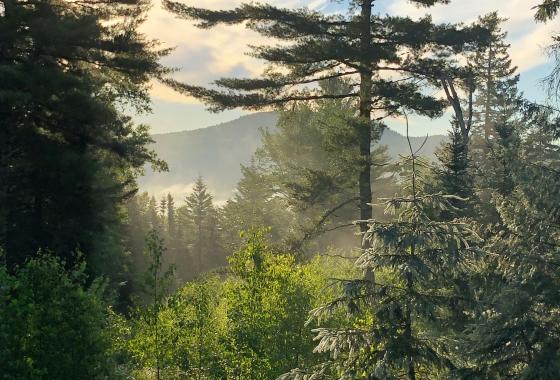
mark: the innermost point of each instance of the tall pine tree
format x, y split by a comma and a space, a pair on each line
202, 223
388, 61
68, 155
497, 98
404, 324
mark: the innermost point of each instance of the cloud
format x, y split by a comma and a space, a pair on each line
203, 56
527, 38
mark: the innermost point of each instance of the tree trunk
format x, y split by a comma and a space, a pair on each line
487, 126
411, 371
364, 133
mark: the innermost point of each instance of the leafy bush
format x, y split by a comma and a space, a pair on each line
51, 325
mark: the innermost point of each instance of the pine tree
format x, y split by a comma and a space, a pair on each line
454, 176
310, 162
497, 98
547, 10
404, 329
68, 155
496, 118
255, 204
163, 208
203, 220
152, 215
384, 58
171, 217
510, 333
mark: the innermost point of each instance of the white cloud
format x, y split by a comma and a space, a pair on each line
527, 37
205, 55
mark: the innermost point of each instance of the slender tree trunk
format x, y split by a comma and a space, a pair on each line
411, 371
156, 320
199, 263
487, 126
364, 133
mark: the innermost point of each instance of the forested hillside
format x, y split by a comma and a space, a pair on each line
217, 153
305, 241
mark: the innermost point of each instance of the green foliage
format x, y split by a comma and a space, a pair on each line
385, 62
203, 219
318, 45
192, 233
268, 299
309, 164
454, 176
248, 325
459, 280
256, 203
511, 332
68, 154
546, 10
496, 98
417, 263
51, 325
191, 334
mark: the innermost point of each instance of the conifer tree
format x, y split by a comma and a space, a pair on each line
203, 222
68, 155
163, 208
546, 10
310, 161
497, 98
417, 259
388, 61
171, 217
454, 175
255, 204
513, 332
152, 214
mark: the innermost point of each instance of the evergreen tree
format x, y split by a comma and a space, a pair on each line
255, 204
513, 332
203, 224
496, 119
384, 58
53, 326
68, 155
171, 218
163, 209
546, 10
152, 214
454, 176
497, 99
310, 162
405, 312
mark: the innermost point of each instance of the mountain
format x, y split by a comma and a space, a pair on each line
217, 152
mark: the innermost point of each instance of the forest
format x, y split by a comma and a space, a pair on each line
331, 259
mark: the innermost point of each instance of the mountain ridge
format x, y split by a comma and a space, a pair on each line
217, 152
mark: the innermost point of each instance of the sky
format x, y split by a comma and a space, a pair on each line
202, 56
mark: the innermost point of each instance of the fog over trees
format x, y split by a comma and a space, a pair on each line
312, 241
